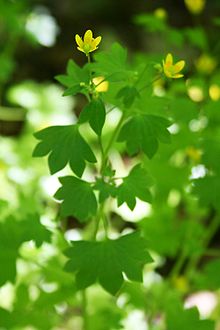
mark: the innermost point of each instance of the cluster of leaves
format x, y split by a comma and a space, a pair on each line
142, 128
65, 145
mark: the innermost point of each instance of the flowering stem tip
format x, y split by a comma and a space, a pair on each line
88, 43
172, 70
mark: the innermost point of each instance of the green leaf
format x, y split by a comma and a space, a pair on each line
142, 132
34, 230
111, 64
64, 144
106, 261
94, 113
197, 37
158, 228
136, 184
75, 79
151, 22
128, 95
208, 190
6, 319
209, 277
178, 318
105, 189
211, 153
78, 198
73, 90
12, 234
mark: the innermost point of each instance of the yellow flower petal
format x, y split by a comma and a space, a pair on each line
80, 49
97, 41
179, 66
172, 70
178, 75
79, 40
169, 59
88, 37
88, 43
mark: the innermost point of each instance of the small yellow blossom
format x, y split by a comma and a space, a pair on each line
172, 70
102, 84
206, 64
88, 43
160, 13
214, 92
194, 154
195, 6
181, 283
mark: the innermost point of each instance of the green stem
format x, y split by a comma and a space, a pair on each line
111, 141
211, 231
97, 221
178, 266
152, 81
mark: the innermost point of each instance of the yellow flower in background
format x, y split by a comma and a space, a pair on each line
195, 6
172, 70
214, 92
160, 13
101, 85
88, 43
181, 283
206, 64
194, 154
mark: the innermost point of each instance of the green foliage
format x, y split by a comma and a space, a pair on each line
142, 133
75, 80
128, 95
177, 318
136, 184
78, 198
208, 191
64, 144
210, 276
94, 113
12, 234
112, 64
106, 261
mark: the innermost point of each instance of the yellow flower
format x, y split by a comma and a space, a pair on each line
101, 85
194, 154
195, 6
160, 13
206, 64
214, 92
172, 70
88, 43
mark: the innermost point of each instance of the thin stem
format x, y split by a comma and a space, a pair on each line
148, 85
89, 58
105, 224
178, 266
142, 73
111, 141
211, 231
101, 146
112, 108
97, 221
